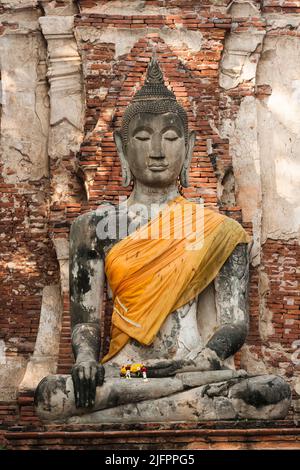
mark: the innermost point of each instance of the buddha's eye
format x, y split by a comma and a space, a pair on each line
171, 136
142, 136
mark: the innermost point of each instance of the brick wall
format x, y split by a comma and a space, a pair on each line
30, 220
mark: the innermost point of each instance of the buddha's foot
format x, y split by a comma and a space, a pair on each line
215, 395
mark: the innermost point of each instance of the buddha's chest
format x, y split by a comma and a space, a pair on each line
177, 339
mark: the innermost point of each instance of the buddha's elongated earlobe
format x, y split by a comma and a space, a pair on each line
126, 173
184, 174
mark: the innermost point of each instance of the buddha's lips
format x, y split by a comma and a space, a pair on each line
158, 167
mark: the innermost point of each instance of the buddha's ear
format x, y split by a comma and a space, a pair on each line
184, 174
126, 173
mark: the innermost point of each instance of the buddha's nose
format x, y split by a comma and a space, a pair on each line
156, 148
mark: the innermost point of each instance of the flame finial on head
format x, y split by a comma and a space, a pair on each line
154, 87
154, 73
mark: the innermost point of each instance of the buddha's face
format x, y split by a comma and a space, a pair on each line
156, 149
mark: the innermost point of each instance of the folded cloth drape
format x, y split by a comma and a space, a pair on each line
163, 265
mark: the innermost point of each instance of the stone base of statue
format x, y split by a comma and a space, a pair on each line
186, 397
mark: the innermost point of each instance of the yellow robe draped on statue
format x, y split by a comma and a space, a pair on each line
163, 265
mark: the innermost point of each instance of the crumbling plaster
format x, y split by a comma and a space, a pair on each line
278, 137
45, 355
24, 100
125, 39
128, 7
264, 134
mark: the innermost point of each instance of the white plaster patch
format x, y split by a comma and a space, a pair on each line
125, 39
242, 8
19, 3
24, 100
62, 252
278, 20
26, 19
11, 373
266, 327
251, 363
128, 7
278, 137
64, 75
44, 358
192, 40
242, 135
52, 8
240, 57
2, 352
297, 386
55, 25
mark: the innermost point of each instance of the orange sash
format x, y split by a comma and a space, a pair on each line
158, 269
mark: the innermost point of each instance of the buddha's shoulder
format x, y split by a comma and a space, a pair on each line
226, 221
91, 218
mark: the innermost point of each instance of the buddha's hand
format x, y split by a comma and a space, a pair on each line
164, 368
203, 360
86, 376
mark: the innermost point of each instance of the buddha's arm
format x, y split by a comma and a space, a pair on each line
86, 294
231, 286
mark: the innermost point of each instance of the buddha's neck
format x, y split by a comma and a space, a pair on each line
146, 195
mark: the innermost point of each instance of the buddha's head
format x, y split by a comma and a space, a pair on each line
154, 144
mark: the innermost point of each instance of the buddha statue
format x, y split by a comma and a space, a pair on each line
158, 253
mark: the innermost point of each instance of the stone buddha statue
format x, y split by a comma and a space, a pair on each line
159, 255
